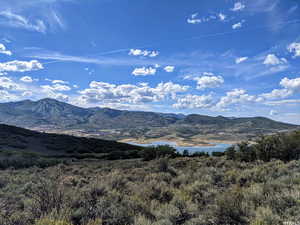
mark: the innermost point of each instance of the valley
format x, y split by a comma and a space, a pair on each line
184, 172
147, 112
52, 116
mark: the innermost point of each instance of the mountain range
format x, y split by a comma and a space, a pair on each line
54, 116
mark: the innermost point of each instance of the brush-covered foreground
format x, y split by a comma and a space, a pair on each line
202, 191
250, 184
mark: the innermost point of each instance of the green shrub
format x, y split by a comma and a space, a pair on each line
19, 162
283, 146
231, 209
160, 151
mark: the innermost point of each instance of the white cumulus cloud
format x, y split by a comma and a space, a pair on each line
236, 96
222, 16
139, 52
272, 59
56, 87
101, 92
273, 113
5, 96
169, 69
277, 93
193, 19
291, 84
8, 84
144, 71
20, 66
59, 82
208, 80
290, 87
26, 79
238, 25
294, 48
153, 54
194, 102
27, 94
238, 6
4, 51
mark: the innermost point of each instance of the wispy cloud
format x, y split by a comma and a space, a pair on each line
240, 60
262, 5
24, 4
276, 15
100, 60
19, 14
284, 102
8, 18
105, 59
54, 20
228, 65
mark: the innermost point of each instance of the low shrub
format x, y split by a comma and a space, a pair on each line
282, 146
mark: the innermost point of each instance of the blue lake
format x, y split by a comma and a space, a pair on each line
218, 147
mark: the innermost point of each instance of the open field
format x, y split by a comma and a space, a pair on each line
188, 191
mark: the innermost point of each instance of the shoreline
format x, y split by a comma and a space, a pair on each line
178, 142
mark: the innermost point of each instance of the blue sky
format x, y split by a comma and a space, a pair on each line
218, 57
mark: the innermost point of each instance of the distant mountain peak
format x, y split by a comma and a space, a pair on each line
51, 101
48, 100
117, 124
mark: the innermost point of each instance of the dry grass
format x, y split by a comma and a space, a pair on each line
202, 191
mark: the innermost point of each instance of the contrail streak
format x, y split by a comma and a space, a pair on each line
187, 39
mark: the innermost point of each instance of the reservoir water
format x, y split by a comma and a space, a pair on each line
218, 147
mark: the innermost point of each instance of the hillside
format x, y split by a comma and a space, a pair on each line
53, 116
50, 112
23, 140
